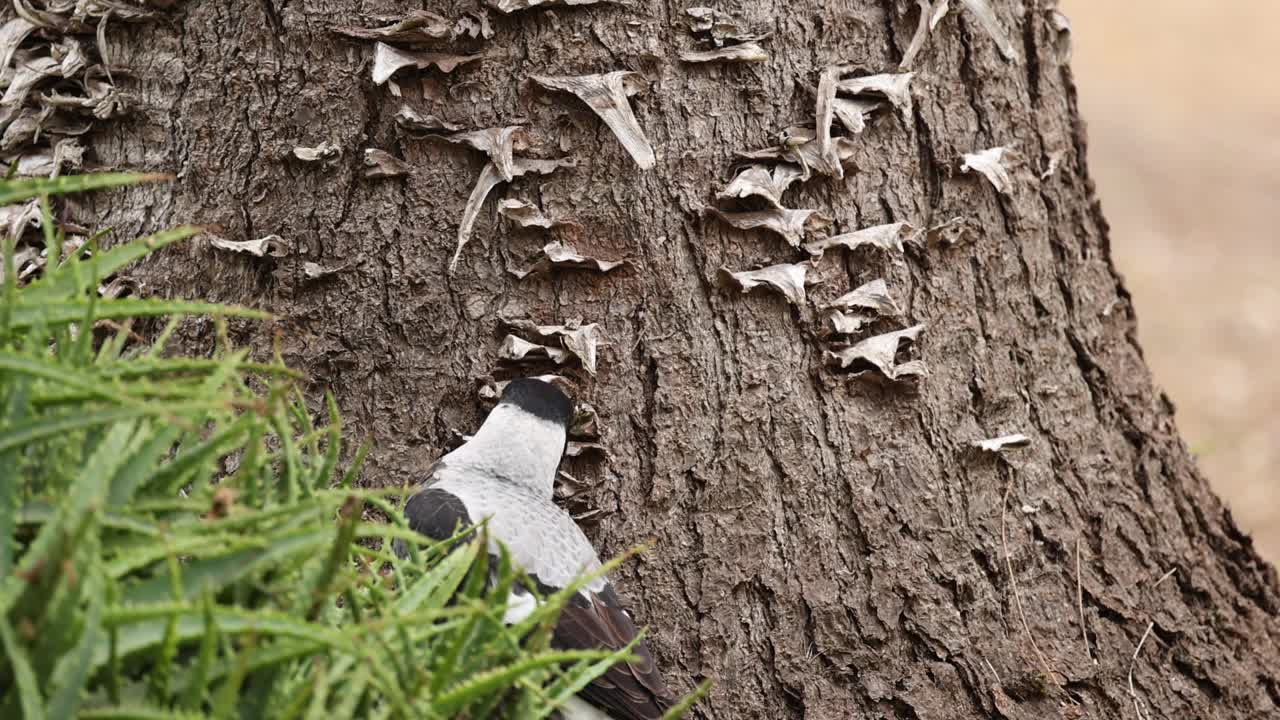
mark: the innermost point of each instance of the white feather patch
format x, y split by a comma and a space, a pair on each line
519, 607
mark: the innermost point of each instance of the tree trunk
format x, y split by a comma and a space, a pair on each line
825, 544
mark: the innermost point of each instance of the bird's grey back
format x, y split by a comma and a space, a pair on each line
541, 537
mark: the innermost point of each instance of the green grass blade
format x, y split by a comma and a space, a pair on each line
137, 712
12, 191
71, 675
30, 701
678, 710
64, 285
486, 683
86, 494
60, 312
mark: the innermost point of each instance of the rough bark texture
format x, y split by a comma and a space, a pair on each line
824, 547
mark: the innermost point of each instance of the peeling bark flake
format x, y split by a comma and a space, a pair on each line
886, 237
746, 52
418, 125
931, 13
894, 87
846, 323
499, 143
607, 96
853, 113
382, 164
880, 352
872, 296
577, 340
324, 151
415, 26
510, 6
801, 148
828, 160
489, 179
788, 279
987, 18
11, 36
558, 255
991, 163
1000, 444
792, 225
526, 214
759, 181
387, 60
272, 245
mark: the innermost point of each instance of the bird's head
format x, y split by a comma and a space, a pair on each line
540, 398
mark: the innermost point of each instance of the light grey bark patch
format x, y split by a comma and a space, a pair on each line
745, 52
872, 296
382, 164
951, 232
880, 352
416, 26
1001, 444
1052, 164
558, 255
792, 225
886, 237
488, 180
388, 60
499, 143
578, 339
418, 124
1060, 25
991, 24
763, 182
717, 27
586, 421
323, 152
606, 95
894, 87
316, 271
787, 278
992, 163
577, 448
272, 245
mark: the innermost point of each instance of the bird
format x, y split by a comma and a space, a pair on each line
504, 474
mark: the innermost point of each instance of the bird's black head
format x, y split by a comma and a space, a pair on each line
539, 398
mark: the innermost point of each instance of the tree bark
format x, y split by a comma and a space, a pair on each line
825, 545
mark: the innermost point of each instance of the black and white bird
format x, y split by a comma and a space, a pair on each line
505, 473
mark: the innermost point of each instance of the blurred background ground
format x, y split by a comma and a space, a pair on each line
1182, 102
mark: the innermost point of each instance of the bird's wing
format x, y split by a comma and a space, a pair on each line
630, 690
